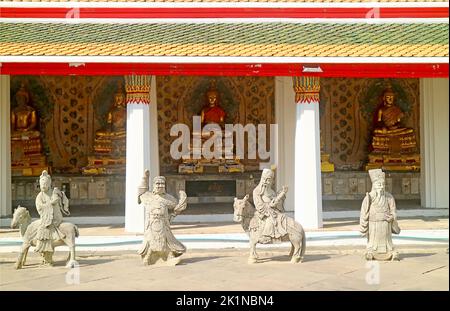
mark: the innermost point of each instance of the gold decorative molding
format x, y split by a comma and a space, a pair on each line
138, 89
306, 89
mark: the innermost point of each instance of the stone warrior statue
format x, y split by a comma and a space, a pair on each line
269, 208
160, 208
379, 220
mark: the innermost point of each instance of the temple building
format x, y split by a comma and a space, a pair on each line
97, 91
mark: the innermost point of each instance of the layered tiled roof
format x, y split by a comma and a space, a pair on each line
225, 39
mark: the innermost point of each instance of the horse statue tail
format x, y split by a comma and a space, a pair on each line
77, 233
302, 252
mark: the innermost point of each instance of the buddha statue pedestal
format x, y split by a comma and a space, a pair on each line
394, 152
110, 141
26, 158
394, 147
203, 165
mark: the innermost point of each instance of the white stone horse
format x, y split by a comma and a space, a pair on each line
28, 231
244, 213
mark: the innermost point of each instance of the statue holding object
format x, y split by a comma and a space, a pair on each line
49, 231
266, 222
160, 245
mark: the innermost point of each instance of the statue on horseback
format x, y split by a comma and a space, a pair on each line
50, 230
266, 222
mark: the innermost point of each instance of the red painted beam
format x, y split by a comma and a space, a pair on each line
328, 70
384, 12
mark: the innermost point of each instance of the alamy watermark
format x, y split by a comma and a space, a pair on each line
224, 143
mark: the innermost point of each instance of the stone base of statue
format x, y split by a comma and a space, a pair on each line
108, 156
394, 152
230, 164
392, 162
27, 159
325, 164
100, 165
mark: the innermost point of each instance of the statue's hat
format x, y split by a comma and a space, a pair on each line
376, 174
267, 172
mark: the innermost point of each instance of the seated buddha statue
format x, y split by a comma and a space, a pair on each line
111, 138
212, 112
393, 145
24, 118
26, 147
389, 117
110, 141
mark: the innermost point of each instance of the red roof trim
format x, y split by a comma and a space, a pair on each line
225, 12
328, 70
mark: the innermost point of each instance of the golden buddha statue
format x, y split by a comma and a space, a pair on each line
212, 112
110, 140
393, 146
26, 147
115, 129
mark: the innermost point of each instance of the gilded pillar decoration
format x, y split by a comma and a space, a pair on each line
139, 157
307, 176
138, 89
307, 91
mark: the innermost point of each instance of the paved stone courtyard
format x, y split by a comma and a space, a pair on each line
420, 268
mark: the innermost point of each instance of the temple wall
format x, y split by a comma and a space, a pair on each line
70, 109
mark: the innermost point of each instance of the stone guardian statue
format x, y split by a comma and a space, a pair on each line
49, 231
378, 220
266, 222
160, 245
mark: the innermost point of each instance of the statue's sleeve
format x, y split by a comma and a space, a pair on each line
364, 216
182, 204
393, 214
261, 206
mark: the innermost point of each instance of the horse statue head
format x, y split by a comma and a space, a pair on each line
242, 209
21, 215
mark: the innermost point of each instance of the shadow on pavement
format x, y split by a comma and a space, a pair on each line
197, 259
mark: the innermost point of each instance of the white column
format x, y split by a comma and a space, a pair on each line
308, 185
284, 155
434, 143
138, 147
154, 142
5, 147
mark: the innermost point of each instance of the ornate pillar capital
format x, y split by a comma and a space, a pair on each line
306, 89
138, 89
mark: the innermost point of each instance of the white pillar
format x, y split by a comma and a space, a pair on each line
154, 142
138, 147
308, 185
284, 155
5, 147
434, 143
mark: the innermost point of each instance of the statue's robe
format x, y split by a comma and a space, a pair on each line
378, 220
391, 115
270, 226
50, 219
213, 114
158, 237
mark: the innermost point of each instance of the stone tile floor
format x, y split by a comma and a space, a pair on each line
420, 268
